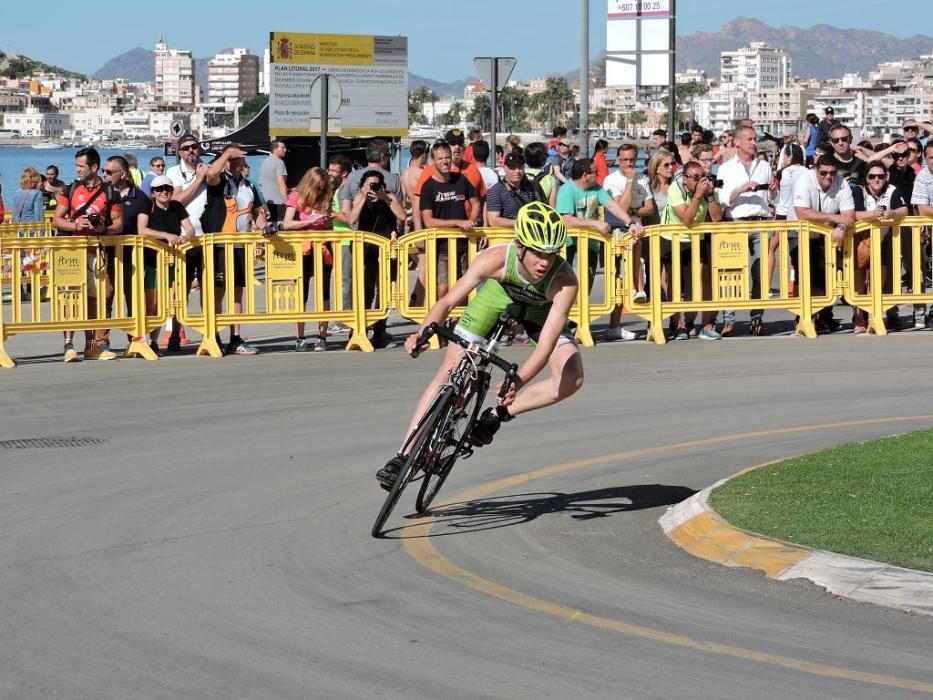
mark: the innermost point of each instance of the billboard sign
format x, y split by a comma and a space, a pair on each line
371, 72
638, 42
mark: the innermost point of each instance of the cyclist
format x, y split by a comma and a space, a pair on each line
530, 281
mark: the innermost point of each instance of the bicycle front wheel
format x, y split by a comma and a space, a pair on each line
422, 445
466, 404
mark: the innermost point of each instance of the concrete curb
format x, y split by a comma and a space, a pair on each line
696, 527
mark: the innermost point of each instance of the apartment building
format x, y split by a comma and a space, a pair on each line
174, 75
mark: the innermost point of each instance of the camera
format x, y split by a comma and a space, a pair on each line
273, 227
763, 186
713, 181
376, 187
94, 220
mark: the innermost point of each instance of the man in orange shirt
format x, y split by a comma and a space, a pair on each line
454, 138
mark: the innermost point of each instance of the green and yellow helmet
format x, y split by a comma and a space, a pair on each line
540, 228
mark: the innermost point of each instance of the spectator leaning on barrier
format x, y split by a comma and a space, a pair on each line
272, 179
516, 190
379, 212
133, 202
339, 168
447, 200
578, 201
28, 208
823, 197
633, 194
232, 207
309, 208
879, 202
166, 220
188, 178
689, 200
88, 207
744, 197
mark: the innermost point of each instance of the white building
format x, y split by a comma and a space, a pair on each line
232, 78
31, 123
755, 67
174, 75
721, 108
778, 110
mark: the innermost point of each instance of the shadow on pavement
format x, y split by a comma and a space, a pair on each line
515, 509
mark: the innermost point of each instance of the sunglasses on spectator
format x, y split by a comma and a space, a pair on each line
914, 150
666, 165
159, 165
911, 128
900, 155
165, 189
112, 172
876, 176
190, 147
841, 139
692, 177
441, 142
826, 173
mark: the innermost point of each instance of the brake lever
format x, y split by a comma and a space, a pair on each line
423, 339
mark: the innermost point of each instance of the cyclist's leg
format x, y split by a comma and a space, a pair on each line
565, 379
452, 356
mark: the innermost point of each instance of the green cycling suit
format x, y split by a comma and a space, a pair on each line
524, 301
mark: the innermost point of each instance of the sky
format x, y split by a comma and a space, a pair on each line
443, 36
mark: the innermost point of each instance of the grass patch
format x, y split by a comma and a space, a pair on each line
869, 499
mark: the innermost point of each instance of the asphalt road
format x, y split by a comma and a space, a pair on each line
217, 544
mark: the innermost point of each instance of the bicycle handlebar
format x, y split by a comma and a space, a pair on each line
510, 368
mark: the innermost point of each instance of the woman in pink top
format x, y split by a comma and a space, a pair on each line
309, 209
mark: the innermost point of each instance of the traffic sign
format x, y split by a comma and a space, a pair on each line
177, 128
504, 67
334, 96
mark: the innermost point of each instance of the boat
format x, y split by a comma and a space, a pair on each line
422, 131
45, 146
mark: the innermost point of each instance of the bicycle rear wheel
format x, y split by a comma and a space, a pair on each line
467, 402
420, 447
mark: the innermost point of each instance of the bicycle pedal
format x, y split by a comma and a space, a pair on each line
466, 452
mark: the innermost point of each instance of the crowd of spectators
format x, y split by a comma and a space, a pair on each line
822, 176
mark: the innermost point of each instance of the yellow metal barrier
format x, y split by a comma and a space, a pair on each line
721, 256
277, 295
886, 286
461, 248
75, 274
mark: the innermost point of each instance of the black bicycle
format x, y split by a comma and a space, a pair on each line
442, 435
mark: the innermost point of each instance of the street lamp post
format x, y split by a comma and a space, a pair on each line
584, 78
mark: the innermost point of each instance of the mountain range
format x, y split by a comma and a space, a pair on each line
820, 51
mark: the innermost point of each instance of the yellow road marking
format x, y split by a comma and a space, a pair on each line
418, 544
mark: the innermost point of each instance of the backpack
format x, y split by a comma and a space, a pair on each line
109, 194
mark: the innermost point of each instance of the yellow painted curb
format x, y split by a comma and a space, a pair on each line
710, 537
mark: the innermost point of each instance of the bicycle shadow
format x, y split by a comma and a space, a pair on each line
516, 509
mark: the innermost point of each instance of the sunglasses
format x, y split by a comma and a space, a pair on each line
841, 139
876, 176
911, 128
692, 177
898, 156
165, 189
914, 150
826, 173
112, 172
191, 147
666, 165
159, 165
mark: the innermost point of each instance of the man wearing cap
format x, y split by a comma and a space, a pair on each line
515, 191
826, 125
453, 138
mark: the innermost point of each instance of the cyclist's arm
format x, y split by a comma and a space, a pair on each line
487, 265
555, 324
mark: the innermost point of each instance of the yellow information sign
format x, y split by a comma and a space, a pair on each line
69, 267
323, 49
730, 250
283, 260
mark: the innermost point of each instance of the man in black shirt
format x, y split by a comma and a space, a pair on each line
117, 173
443, 202
848, 165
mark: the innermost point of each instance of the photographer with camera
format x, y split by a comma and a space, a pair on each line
746, 181
690, 199
89, 207
379, 211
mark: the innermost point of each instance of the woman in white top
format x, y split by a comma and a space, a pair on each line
790, 167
